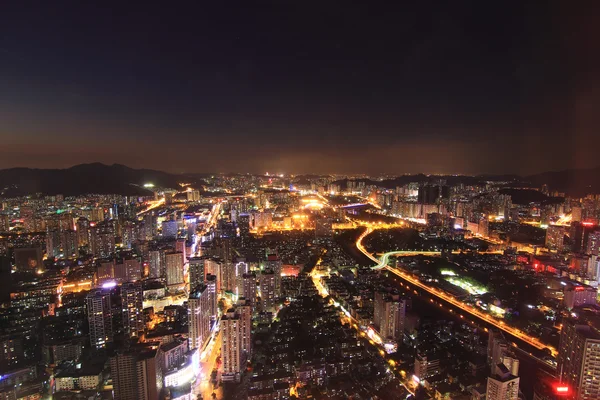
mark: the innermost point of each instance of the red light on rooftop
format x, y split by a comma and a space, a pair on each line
587, 223
579, 288
562, 390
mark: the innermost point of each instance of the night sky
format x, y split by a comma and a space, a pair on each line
327, 86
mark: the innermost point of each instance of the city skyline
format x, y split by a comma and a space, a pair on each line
464, 88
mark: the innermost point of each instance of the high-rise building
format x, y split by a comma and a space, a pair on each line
231, 346
150, 226
53, 243
193, 195
249, 287
593, 243
136, 374
579, 359
99, 318
4, 223
211, 283
132, 302
502, 385
267, 290
174, 268
128, 234
240, 269
244, 309
323, 227
196, 271
555, 237
274, 264
83, 232
169, 229
180, 247
199, 316
157, 264
389, 313
243, 223
69, 243
103, 239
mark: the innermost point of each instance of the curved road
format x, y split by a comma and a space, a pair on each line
383, 264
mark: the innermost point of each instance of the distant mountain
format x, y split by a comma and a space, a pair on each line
574, 182
83, 179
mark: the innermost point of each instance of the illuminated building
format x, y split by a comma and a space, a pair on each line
593, 243
28, 259
267, 290
136, 374
196, 271
4, 223
173, 354
69, 243
244, 309
231, 346
99, 318
274, 264
579, 359
199, 316
240, 269
502, 385
555, 237
53, 243
576, 214
83, 232
193, 195
426, 366
132, 269
150, 226
249, 287
157, 264
499, 351
579, 295
243, 223
132, 303
75, 379
180, 248
169, 229
551, 390
103, 239
388, 316
174, 268
211, 283
128, 234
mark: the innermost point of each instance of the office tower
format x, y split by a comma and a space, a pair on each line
231, 347
28, 259
99, 318
388, 315
579, 360
244, 309
150, 226
103, 239
274, 264
137, 374
249, 287
174, 268
169, 229
193, 195
502, 385
69, 244
267, 283
156, 264
196, 271
53, 243
83, 232
199, 316
132, 302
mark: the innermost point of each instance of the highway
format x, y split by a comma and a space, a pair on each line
487, 318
